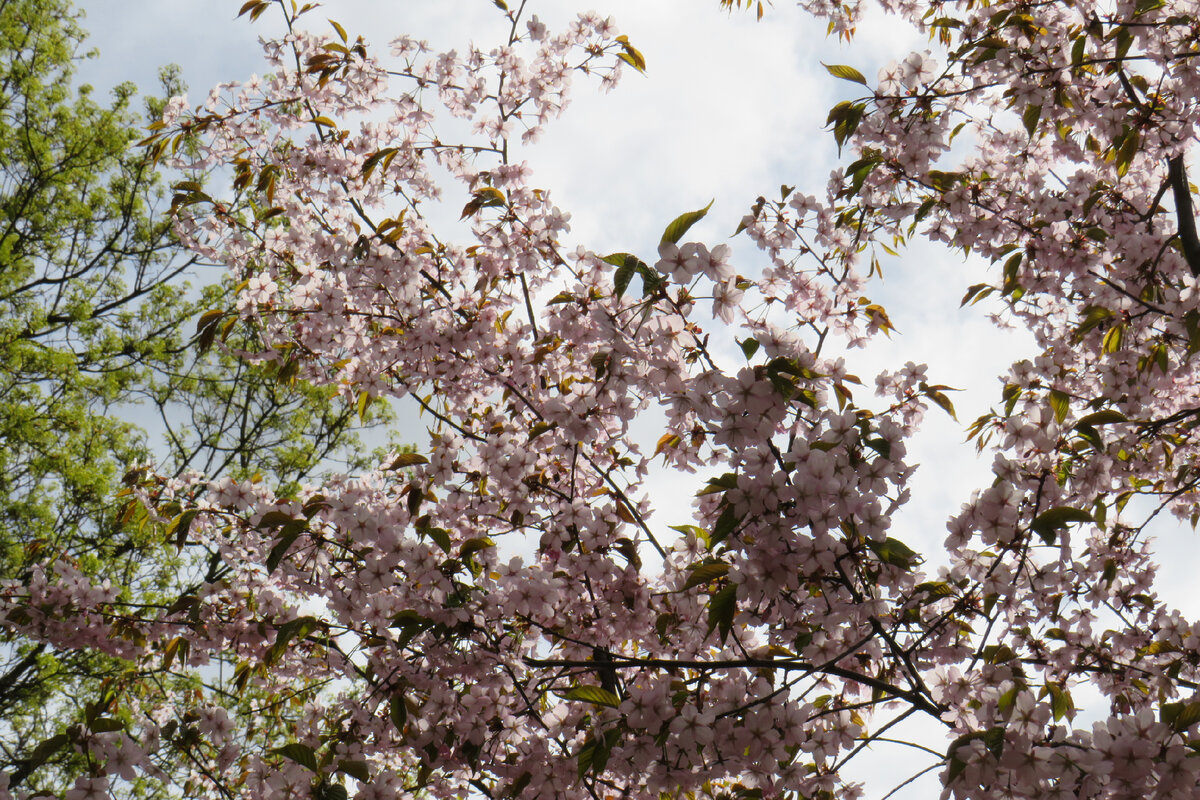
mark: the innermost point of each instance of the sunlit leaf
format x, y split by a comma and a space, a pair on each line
594, 695
682, 224
844, 72
403, 460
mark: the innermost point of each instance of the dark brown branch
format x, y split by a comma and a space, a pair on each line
622, 662
1183, 210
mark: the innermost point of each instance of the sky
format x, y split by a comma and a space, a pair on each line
729, 109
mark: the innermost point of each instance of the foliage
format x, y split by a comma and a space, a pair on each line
509, 611
93, 309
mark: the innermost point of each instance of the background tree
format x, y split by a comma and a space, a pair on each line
94, 329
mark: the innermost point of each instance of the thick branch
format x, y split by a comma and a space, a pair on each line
1183, 210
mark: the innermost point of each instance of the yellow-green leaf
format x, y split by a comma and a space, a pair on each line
1106, 417
681, 224
407, 460
705, 573
594, 695
845, 72
1061, 403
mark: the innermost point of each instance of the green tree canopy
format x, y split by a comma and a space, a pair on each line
95, 318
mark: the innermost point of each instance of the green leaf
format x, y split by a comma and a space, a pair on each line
599, 362
845, 118
944, 403
181, 525
1060, 402
538, 428
622, 277
845, 73
594, 695
1093, 316
934, 590
726, 524
634, 60
275, 519
1030, 117
359, 770
618, 259
176, 646
957, 765
998, 654
280, 549
106, 725
1061, 704
593, 756
1180, 716
1106, 417
1077, 51
881, 446
705, 573
722, 607
894, 552
682, 224
302, 754
1048, 522
627, 265
487, 197
207, 327
993, 738
1113, 338
652, 279
1188, 716
700, 534
297, 628
407, 460
519, 785
1010, 395
976, 293
1011, 272
47, 748
1126, 146
398, 712
384, 156
472, 546
364, 402
331, 791
1007, 700
722, 483
440, 536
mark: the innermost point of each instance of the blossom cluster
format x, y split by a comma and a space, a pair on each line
509, 610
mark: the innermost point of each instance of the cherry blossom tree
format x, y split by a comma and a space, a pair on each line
507, 612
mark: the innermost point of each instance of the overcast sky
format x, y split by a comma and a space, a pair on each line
729, 109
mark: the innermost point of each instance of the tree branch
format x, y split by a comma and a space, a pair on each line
1183, 210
